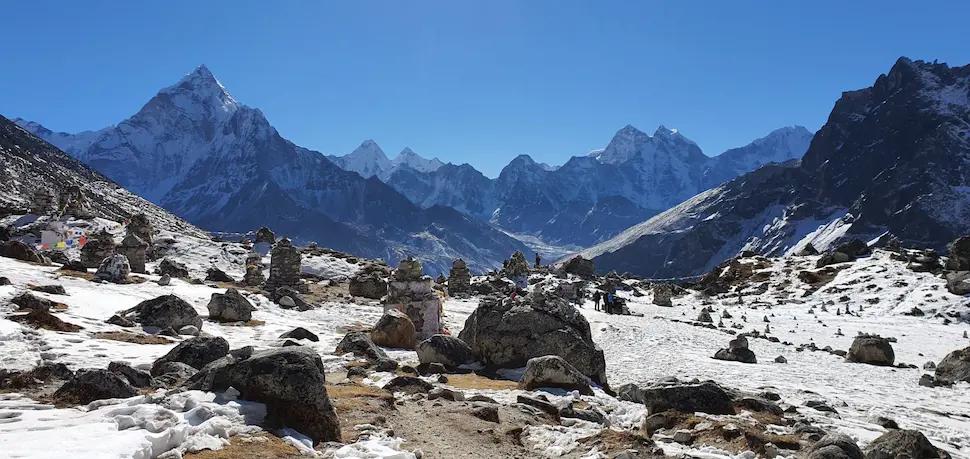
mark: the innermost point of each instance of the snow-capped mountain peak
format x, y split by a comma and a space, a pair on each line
409, 158
367, 160
200, 94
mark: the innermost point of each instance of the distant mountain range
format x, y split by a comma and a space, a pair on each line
196, 151
588, 199
892, 158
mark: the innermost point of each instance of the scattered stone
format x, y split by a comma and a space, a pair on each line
27, 301
954, 367
704, 317
230, 307
408, 385
51, 289
737, 351
706, 397
781, 359
553, 371
663, 294
683, 436
172, 268
214, 274
114, 269
164, 281
194, 352
171, 374
447, 350
540, 403
831, 258
20, 251
289, 298
189, 330
395, 330
446, 394
412, 293
958, 254
507, 333
886, 423
137, 378
760, 405
819, 405
290, 381
88, 385
370, 282
360, 344
901, 444
300, 333
835, 446
167, 311
5, 281
486, 413
872, 350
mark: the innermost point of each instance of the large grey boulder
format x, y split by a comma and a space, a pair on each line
958, 282
873, 350
553, 371
137, 378
172, 268
194, 352
88, 385
835, 446
167, 311
954, 367
394, 329
114, 269
706, 397
289, 380
901, 443
230, 307
958, 254
507, 333
446, 350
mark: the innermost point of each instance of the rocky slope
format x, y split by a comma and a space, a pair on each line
592, 198
894, 157
196, 151
30, 164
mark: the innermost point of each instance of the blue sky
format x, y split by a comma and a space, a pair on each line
476, 82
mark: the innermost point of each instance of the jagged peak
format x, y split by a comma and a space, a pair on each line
368, 147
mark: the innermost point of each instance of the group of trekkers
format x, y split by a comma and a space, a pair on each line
611, 304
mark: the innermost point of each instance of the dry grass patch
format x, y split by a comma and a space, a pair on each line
135, 338
609, 441
255, 447
249, 323
474, 381
358, 404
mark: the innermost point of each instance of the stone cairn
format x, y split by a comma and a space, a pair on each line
135, 249
254, 270
263, 240
44, 202
100, 245
140, 226
459, 278
284, 268
517, 269
74, 203
412, 293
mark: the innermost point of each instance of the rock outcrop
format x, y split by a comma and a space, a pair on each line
88, 385
167, 311
507, 333
290, 381
446, 350
195, 352
954, 367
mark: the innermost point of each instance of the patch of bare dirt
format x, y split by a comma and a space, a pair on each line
135, 338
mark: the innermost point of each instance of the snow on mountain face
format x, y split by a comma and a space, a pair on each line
220, 164
30, 163
591, 199
369, 160
891, 158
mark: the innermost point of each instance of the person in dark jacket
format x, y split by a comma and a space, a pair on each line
596, 299
538, 260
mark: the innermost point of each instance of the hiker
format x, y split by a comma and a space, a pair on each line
538, 260
596, 299
608, 303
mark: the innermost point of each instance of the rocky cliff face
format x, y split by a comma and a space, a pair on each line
31, 164
894, 157
198, 152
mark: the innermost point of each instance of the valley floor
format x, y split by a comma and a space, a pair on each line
663, 342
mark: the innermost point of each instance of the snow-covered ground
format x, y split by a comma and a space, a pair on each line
638, 349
